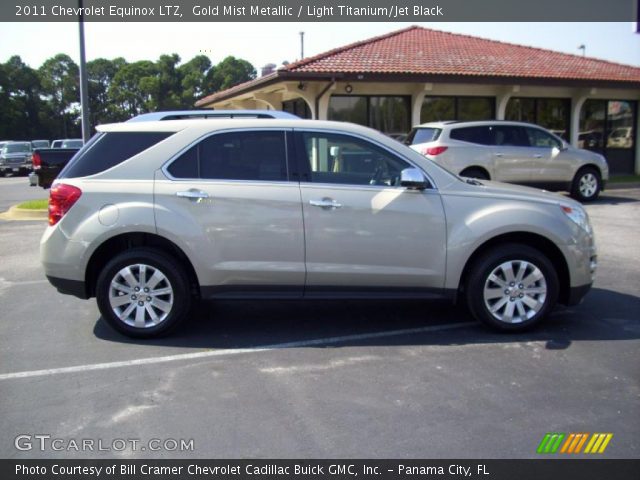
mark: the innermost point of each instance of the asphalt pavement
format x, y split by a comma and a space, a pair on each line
318, 379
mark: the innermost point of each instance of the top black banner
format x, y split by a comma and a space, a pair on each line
320, 10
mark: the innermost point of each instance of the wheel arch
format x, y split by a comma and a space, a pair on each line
125, 241
533, 240
476, 167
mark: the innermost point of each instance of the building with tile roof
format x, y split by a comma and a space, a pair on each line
415, 75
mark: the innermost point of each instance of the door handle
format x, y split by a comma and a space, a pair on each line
498, 155
193, 194
325, 203
537, 155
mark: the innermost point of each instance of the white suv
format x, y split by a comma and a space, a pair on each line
512, 152
150, 215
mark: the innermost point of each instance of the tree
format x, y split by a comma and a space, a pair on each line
194, 84
100, 75
20, 102
135, 87
230, 72
59, 78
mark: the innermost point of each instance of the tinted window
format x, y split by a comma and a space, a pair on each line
108, 150
235, 156
346, 160
186, 166
509, 136
541, 139
479, 135
423, 135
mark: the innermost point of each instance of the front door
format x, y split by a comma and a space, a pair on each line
363, 232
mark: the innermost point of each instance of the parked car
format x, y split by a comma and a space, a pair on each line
67, 143
149, 216
39, 144
512, 152
15, 158
48, 163
620, 138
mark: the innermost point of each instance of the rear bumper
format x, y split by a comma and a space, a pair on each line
576, 294
69, 287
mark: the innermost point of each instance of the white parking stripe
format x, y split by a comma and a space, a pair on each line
232, 351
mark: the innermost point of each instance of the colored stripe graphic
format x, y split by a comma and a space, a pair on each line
598, 443
552, 442
574, 443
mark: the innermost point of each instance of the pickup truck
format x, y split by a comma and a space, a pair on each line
47, 164
15, 158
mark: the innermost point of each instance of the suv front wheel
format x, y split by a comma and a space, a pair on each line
143, 293
586, 184
512, 287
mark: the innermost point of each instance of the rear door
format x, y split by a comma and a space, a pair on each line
229, 200
549, 161
511, 153
364, 232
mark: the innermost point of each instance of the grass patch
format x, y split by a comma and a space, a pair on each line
42, 204
624, 178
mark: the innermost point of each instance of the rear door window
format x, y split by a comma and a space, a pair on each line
108, 150
257, 155
480, 135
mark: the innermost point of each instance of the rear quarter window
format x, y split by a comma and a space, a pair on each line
108, 150
423, 135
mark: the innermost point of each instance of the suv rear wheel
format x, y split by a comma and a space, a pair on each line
586, 184
143, 293
512, 287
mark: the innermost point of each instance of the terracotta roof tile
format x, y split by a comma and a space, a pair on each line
422, 51
418, 50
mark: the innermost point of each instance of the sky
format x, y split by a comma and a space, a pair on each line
262, 43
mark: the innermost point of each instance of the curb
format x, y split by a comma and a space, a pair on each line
15, 213
621, 185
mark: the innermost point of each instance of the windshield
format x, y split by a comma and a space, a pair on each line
72, 144
17, 148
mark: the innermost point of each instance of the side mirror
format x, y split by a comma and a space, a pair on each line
565, 146
413, 179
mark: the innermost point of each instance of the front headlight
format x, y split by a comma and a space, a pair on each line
577, 215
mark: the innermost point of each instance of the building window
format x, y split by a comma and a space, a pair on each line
297, 107
608, 127
440, 109
388, 114
550, 113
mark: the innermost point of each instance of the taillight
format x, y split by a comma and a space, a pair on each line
61, 199
433, 150
37, 161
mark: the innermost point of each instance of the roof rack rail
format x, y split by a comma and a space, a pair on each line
195, 114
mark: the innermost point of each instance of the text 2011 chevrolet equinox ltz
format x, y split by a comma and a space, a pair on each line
151, 215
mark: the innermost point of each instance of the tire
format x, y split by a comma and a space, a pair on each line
495, 295
586, 184
157, 311
475, 173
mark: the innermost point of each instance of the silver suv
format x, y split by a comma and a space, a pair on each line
151, 215
512, 152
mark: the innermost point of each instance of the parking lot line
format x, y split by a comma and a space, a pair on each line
232, 351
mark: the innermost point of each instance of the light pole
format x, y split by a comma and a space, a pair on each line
84, 87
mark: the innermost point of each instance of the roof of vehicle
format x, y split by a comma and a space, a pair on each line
475, 123
227, 123
190, 114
